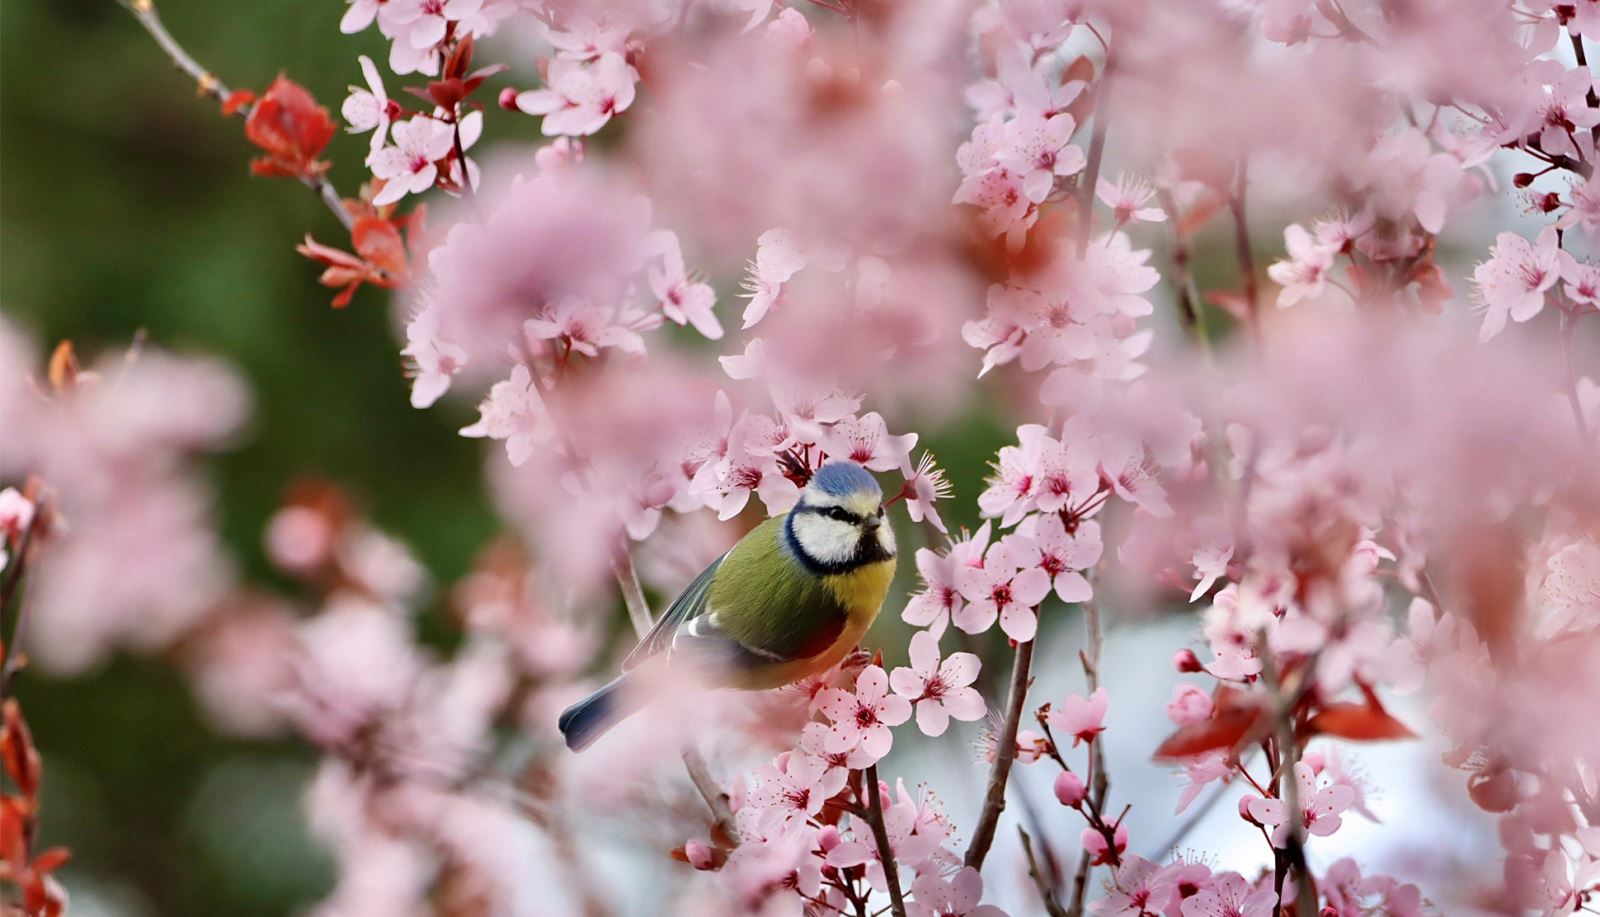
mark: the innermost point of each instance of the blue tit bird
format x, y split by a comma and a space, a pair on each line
791, 599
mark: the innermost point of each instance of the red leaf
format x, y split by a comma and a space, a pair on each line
291, 128
378, 241
1365, 722
1223, 730
51, 860
236, 100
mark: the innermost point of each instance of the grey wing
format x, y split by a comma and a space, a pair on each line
689, 605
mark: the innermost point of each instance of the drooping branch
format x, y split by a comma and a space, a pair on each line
207, 84
1005, 752
1246, 255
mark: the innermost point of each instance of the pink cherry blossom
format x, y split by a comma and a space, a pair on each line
940, 597
926, 486
866, 441
959, 896
368, 109
581, 96
862, 719
1229, 895
1037, 150
1305, 272
1319, 807
515, 413
1127, 197
792, 789
1513, 282
1014, 489
435, 360
1070, 789
1061, 556
778, 258
1141, 887
1002, 589
939, 690
683, 301
409, 165
1079, 717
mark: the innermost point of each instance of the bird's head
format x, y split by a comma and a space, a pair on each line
839, 522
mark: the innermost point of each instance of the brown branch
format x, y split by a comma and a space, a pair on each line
208, 85
880, 833
14, 658
1005, 751
1189, 304
1294, 854
1100, 780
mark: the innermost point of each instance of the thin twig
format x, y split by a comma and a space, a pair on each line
1097, 149
1005, 751
208, 85
1046, 893
1189, 310
880, 833
11, 663
1241, 241
632, 593
1100, 780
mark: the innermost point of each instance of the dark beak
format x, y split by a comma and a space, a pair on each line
871, 523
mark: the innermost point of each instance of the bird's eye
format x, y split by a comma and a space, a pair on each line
839, 513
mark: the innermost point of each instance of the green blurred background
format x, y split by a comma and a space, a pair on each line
126, 203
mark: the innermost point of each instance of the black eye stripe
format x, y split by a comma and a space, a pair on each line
840, 513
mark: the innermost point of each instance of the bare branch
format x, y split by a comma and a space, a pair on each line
1005, 751
880, 833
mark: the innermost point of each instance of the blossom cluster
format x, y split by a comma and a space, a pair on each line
1357, 503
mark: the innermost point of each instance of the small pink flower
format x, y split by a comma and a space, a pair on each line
1081, 718
409, 166
866, 441
1141, 887
927, 485
434, 360
1319, 808
681, 300
863, 719
368, 109
997, 589
1061, 555
939, 599
1513, 282
1127, 197
932, 896
1229, 895
778, 258
1189, 705
581, 97
792, 789
1037, 149
1014, 489
1305, 272
514, 412
939, 690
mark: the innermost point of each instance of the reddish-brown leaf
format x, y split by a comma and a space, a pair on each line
291, 128
379, 242
51, 860
1223, 730
236, 100
1359, 723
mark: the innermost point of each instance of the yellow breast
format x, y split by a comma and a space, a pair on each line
862, 590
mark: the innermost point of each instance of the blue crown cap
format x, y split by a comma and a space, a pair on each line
842, 478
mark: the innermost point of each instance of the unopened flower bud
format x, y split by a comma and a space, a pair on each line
1522, 179
1185, 660
508, 99
828, 838
1329, 911
1070, 789
699, 855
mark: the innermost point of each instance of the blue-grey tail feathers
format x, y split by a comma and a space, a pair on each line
592, 717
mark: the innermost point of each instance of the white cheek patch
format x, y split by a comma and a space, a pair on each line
827, 541
886, 537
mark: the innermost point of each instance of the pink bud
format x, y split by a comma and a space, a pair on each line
700, 856
1244, 809
1329, 911
1094, 844
828, 838
1070, 789
1185, 660
508, 99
